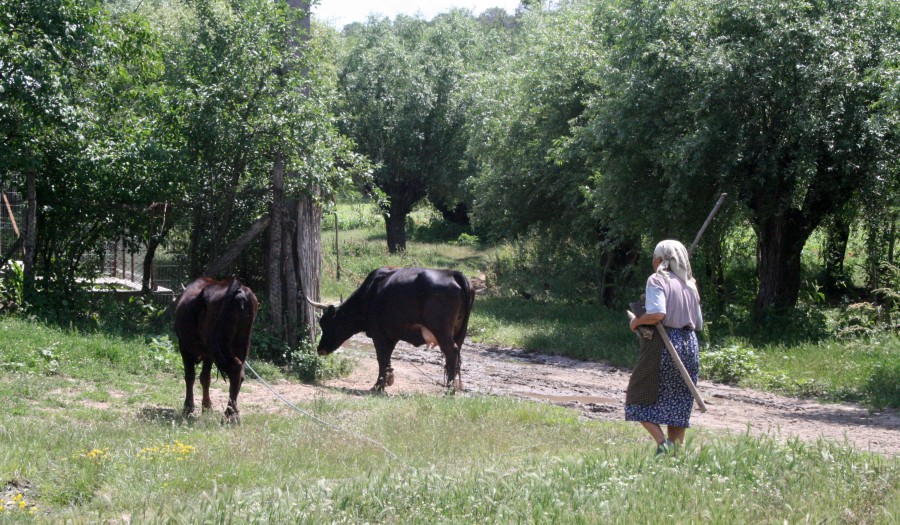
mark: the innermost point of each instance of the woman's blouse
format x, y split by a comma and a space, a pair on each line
672, 297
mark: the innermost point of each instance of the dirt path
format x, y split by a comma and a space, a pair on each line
597, 391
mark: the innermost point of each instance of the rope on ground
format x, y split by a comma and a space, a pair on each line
320, 421
426, 376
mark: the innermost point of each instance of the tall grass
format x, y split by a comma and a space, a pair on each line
75, 450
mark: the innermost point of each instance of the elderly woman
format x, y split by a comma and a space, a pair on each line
671, 298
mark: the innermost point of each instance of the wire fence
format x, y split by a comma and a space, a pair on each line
119, 266
124, 267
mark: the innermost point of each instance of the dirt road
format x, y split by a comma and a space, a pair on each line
598, 392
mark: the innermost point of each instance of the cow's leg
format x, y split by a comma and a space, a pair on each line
383, 350
240, 349
235, 380
205, 378
190, 374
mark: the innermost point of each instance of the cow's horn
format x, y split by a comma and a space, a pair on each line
317, 305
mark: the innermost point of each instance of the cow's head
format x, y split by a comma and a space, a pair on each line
330, 326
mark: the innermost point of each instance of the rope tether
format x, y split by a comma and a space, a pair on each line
321, 421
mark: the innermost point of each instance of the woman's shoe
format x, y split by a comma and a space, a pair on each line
666, 447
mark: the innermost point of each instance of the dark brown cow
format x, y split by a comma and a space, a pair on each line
213, 320
416, 305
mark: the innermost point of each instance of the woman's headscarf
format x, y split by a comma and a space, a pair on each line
675, 259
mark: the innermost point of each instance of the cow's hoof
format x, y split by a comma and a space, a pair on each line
389, 378
187, 411
231, 417
378, 388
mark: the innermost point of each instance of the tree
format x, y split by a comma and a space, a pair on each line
253, 106
773, 103
521, 106
399, 82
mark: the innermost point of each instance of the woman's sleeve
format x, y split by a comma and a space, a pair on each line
655, 299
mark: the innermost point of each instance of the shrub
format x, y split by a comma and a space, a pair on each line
466, 239
857, 320
729, 364
540, 267
308, 366
11, 281
883, 386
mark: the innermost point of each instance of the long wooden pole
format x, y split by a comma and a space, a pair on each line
707, 221
662, 331
12, 218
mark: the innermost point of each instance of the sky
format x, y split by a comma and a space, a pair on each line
341, 12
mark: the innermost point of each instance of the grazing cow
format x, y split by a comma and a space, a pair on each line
416, 305
213, 320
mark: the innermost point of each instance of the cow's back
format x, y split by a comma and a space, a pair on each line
400, 298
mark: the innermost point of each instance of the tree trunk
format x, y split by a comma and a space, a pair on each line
153, 242
892, 240
837, 237
276, 282
780, 241
395, 224
146, 280
289, 236
224, 218
309, 259
307, 255
30, 233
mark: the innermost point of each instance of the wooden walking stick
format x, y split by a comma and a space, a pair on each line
662, 331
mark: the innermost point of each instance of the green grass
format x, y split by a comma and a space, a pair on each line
81, 450
841, 371
583, 331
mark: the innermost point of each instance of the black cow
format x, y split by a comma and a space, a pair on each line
213, 320
416, 305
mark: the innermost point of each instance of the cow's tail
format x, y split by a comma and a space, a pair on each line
469, 298
223, 330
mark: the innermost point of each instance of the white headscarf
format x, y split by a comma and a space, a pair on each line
675, 259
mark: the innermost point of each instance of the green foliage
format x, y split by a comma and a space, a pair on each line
729, 363
308, 366
466, 239
521, 105
774, 103
857, 320
542, 267
12, 281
